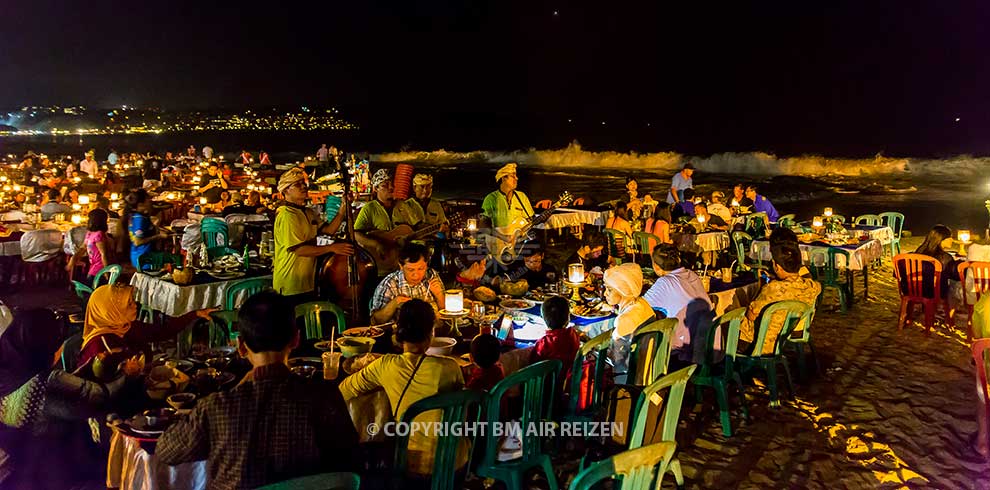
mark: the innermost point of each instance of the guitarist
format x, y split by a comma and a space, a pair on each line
374, 222
421, 210
507, 208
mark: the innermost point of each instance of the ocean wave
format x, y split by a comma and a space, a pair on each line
664, 163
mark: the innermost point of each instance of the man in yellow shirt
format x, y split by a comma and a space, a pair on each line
296, 228
421, 210
507, 207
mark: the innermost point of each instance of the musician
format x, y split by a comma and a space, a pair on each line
375, 221
296, 228
507, 208
421, 210
414, 279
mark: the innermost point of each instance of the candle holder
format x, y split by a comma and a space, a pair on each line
963, 237
828, 212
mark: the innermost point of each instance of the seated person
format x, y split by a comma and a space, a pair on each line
413, 280
623, 285
659, 224
932, 247
685, 207
410, 377
620, 221
761, 204
561, 341
678, 292
252, 205
593, 253
530, 267
789, 285
52, 206
711, 221
273, 426
739, 198
104, 204
487, 370
718, 208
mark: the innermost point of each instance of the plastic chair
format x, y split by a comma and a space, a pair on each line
980, 271
226, 319
982, 361
310, 313
719, 375
825, 270
322, 481
911, 270
756, 224
70, 352
534, 382
155, 261
637, 468
896, 223
214, 232
867, 219
458, 407
652, 343
83, 291
112, 272
795, 313
544, 204
616, 244
786, 221
586, 406
838, 218
249, 287
645, 242
743, 240
677, 382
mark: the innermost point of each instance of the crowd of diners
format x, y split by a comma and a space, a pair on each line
274, 425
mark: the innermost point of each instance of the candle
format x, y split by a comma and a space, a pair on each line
115, 205
964, 236
17, 188
575, 273
84, 200
114, 196
6, 188
828, 212
76, 219
817, 222
202, 200
472, 224
701, 218
76, 206
735, 203
3, 178
170, 196
454, 300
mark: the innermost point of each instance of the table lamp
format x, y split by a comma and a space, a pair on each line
963, 236
828, 212
454, 300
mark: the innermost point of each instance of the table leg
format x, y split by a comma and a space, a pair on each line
866, 283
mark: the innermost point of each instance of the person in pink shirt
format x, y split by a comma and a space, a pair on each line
98, 243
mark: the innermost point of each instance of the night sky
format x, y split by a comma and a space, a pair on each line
840, 78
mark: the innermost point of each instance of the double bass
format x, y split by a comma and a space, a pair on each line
349, 281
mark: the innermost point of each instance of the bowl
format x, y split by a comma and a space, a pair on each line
158, 416
441, 346
218, 363
181, 401
304, 371
352, 346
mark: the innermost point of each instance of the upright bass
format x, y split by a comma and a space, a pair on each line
348, 281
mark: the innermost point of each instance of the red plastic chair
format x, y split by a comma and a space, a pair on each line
915, 287
980, 346
578, 202
544, 204
981, 284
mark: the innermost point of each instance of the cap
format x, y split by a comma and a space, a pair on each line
290, 178
509, 168
422, 179
380, 177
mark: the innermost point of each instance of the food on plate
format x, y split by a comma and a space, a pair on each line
364, 332
358, 363
590, 310
484, 294
514, 288
515, 304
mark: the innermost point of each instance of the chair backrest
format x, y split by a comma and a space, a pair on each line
645, 242
157, 260
594, 397
795, 313
894, 220
638, 468
578, 202
40, 245
650, 348
216, 252
981, 318
838, 218
70, 352
727, 326
214, 231
918, 276
544, 204
868, 219
742, 241
980, 272
310, 313
677, 382
786, 221
982, 361
245, 288
535, 382
112, 272
756, 224
616, 242
226, 318
82, 290
322, 481
457, 407
824, 265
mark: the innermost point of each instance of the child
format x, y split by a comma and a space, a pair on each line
487, 372
560, 342
98, 243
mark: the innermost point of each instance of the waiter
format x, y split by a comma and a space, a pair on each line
681, 181
296, 228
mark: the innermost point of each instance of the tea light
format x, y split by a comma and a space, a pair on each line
6, 188
17, 188
575, 273
202, 200
472, 224
76, 206
735, 203
828, 212
76, 219
170, 196
3, 178
115, 206
817, 222
114, 196
84, 200
454, 300
963, 236
701, 218
196, 179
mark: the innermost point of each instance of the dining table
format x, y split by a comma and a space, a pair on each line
161, 294
862, 255
708, 241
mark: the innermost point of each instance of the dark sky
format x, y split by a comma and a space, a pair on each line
800, 76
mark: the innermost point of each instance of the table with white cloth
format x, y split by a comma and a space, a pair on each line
882, 233
175, 300
567, 217
709, 241
860, 256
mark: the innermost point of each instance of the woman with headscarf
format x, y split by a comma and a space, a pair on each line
623, 286
111, 323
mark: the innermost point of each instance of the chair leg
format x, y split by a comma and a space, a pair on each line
787, 373
548, 470
800, 359
904, 311
843, 299
772, 384
675, 468
742, 395
929, 307
814, 355
723, 407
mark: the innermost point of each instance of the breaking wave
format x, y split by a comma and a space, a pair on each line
753, 163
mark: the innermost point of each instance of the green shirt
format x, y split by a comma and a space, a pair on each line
411, 213
502, 213
292, 273
373, 216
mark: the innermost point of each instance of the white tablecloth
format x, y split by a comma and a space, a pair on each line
710, 241
40, 245
174, 300
883, 233
865, 253
566, 217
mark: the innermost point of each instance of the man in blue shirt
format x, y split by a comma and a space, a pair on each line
762, 204
680, 181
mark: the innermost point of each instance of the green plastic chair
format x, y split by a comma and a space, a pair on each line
112, 272
867, 219
896, 223
645, 242
756, 224
616, 244
786, 221
800, 342
824, 269
214, 232
637, 468
458, 407
534, 381
251, 286
795, 313
838, 218
594, 402
83, 291
310, 313
225, 321
157, 260
677, 382
322, 481
743, 240
719, 375
652, 341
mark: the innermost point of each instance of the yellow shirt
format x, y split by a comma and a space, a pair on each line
391, 373
410, 212
793, 288
294, 274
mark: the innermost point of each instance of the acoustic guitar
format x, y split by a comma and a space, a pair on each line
507, 251
384, 245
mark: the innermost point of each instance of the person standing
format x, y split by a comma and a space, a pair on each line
89, 165
421, 210
296, 228
323, 154
681, 180
507, 208
264, 160
374, 222
208, 152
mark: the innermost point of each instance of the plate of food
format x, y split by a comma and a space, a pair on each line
516, 304
225, 275
536, 296
354, 364
591, 312
373, 331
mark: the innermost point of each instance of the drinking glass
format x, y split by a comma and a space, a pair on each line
331, 365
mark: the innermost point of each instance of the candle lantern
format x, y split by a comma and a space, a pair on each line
84, 200
202, 200
115, 205
170, 196
454, 300
817, 222
76, 219
17, 188
828, 212
114, 196
76, 206
472, 224
963, 236
575, 273
701, 218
